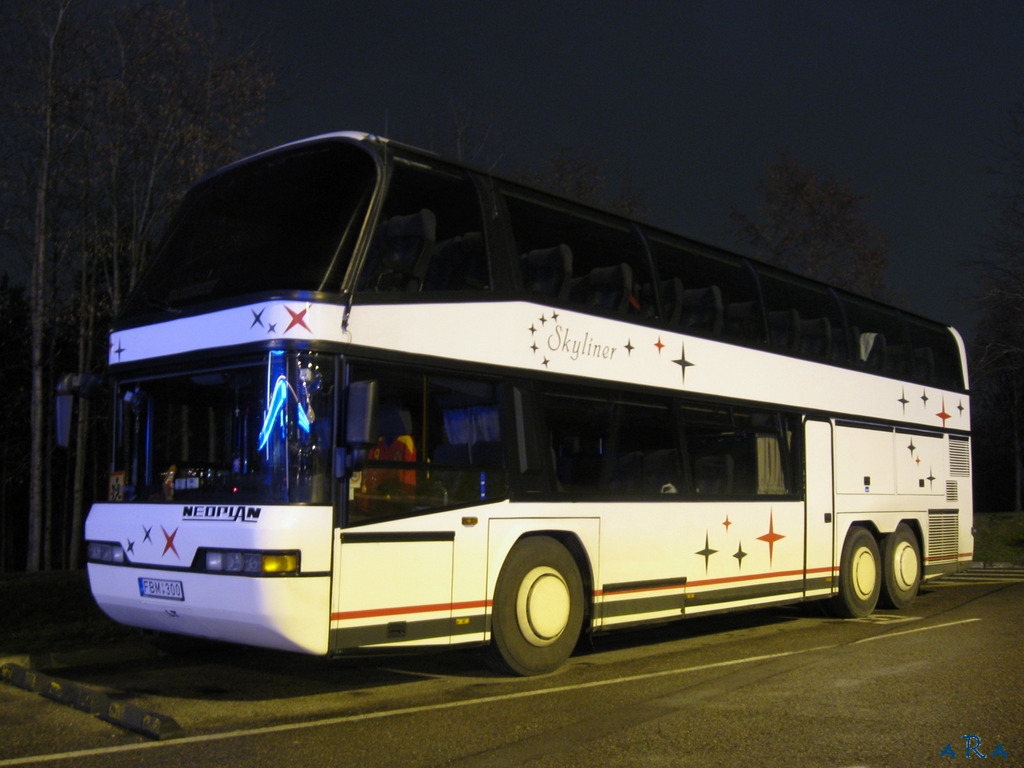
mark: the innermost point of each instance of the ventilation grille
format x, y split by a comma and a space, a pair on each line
959, 456
943, 536
952, 491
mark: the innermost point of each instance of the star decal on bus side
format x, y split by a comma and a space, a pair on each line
771, 537
903, 399
942, 414
706, 553
257, 317
740, 554
682, 362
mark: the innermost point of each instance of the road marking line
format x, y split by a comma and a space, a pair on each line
911, 631
284, 727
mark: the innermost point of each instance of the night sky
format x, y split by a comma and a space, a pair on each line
691, 101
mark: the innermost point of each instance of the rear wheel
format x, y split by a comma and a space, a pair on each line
860, 575
901, 568
537, 613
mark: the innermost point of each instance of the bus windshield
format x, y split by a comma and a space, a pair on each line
258, 433
286, 221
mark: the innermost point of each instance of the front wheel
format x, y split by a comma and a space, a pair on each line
537, 614
901, 568
860, 575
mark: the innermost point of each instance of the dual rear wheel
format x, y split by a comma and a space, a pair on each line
869, 575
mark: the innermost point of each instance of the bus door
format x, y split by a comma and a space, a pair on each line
391, 588
819, 558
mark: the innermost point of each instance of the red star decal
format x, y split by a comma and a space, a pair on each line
942, 414
771, 537
659, 345
169, 538
727, 523
298, 318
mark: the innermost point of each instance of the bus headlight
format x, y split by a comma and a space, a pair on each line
105, 552
251, 563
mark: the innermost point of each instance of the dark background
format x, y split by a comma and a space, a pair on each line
687, 101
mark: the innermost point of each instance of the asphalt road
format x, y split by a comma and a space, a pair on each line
940, 681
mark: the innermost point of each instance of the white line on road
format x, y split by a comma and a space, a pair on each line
911, 631
199, 739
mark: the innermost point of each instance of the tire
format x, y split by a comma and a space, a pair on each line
860, 575
901, 568
537, 613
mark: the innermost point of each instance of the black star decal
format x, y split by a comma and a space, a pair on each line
554, 316
544, 320
629, 347
534, 347
740, 554
272, 328
682, 362
930, 478
119, 350
911, 447
130, 549
545, 362
257, 317
146, 532
706, 553
924, 397
532, 329
961, 407
903, 399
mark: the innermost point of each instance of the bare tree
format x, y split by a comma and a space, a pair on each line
116, 108
812, 223
573, 174
998, 348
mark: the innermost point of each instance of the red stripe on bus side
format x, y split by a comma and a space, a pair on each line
961, 556
762, 576
407, 609
726, 580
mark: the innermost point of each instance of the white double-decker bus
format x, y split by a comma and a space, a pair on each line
370, 400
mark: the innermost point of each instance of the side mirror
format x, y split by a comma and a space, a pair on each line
85, 385
361, 429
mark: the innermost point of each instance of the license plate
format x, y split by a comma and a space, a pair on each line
166, 590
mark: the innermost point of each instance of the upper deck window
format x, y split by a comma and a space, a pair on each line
285, 222
570, 254
429, 237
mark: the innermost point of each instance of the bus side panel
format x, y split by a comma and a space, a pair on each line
820, 556
392, 588
671, 558
163, 544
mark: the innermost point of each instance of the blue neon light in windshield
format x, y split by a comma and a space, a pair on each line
277, 403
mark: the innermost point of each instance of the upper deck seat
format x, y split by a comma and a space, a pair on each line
547, 271
400, 252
